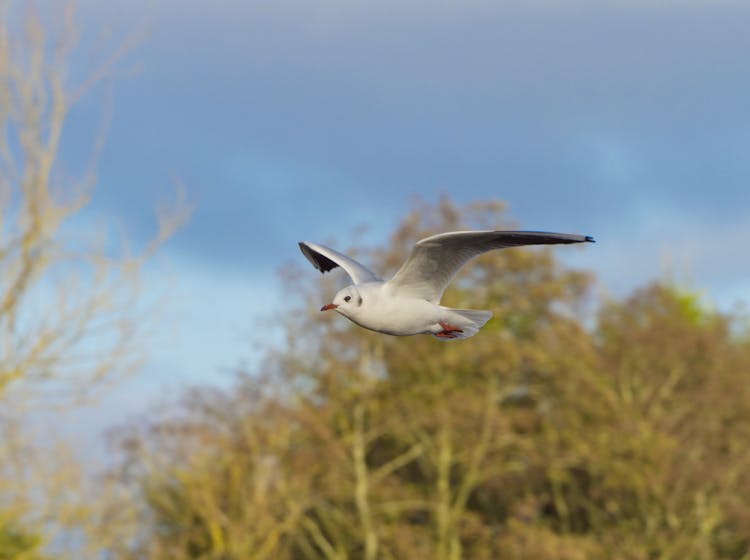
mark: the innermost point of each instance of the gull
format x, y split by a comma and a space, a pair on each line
409, 303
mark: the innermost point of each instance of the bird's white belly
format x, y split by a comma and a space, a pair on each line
400, 316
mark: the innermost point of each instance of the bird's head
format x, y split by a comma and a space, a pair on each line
346, 301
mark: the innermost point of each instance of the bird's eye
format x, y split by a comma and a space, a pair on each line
348, 298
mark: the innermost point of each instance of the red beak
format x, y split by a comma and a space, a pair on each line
328, 306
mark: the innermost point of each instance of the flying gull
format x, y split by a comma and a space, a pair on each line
409, 303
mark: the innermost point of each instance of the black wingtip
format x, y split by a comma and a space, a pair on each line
320, 262
590, 239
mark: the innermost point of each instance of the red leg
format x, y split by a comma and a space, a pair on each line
449, 331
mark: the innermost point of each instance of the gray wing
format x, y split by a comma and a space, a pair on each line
325, 259
435, 260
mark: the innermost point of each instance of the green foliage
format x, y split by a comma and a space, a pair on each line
538, 438
18, 544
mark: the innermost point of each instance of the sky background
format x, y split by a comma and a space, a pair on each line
302, 120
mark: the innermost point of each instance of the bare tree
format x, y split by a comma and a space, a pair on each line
67, 301
70, 306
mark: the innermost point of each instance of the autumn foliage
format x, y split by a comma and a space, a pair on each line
567, 429
558, 432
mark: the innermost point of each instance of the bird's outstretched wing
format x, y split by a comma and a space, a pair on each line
325, 259
435, 260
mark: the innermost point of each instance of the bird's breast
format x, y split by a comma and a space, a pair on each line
397, 316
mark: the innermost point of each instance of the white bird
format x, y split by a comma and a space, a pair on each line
409, 303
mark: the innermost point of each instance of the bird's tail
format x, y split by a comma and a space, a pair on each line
469, 321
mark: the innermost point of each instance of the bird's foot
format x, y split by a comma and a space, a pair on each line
449, 331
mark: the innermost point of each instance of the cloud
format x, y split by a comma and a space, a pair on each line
298, 120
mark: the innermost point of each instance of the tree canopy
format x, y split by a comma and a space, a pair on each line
563, 430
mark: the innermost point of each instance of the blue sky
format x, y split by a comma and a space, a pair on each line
301, 120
